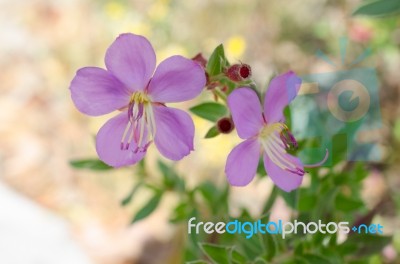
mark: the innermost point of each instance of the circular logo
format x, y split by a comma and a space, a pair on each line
348, 100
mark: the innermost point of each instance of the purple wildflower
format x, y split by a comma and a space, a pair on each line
265, 132
129, 85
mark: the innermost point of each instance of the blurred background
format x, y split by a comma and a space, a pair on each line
52, 213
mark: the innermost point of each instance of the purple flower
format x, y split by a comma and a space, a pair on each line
128, 84
265, 132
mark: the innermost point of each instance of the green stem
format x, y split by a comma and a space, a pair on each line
271, 200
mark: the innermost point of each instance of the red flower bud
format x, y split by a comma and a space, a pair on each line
225, 125
200, 60
238, 72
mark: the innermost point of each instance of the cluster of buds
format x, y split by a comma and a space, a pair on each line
236, 73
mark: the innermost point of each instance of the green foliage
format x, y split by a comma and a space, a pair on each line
217, 254
149, 207
379, 8
217, 61
212, 132
91, 164
210, 111
330, 195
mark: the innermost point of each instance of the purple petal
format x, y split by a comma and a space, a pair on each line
96, 92
284, 179
242, 162
177, 79
245, 107
108, 143
132, 60
174, 132
282, 90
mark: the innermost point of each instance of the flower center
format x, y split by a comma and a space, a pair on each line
141, 127
275, 140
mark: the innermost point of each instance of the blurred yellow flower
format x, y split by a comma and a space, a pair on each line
158, 10
235, 46
114, 10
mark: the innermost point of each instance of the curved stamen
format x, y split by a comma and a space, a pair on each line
275, 146
141, 126
280, 155
319, 163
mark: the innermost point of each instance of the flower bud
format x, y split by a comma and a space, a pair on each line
238, 72
225, 125
200, 60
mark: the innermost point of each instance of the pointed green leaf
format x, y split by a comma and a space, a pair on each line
210, 111
128, 198
212, 132
148, 208
170, 177
237, 258
217, 61
379, 8
91, 164
218, 254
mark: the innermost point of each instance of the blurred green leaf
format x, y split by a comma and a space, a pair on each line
197, 262
212, 132
360, 172
149, 207
379, 8
364, 244
218, 254
237, 258
347, 204
210, 111
291, 198
339, 148
129, 197
91, 164
307, 201
181, 212
270, 246
217, 61
171, 179
315, 259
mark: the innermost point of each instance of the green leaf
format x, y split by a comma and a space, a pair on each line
347, 204
210, 194
91, 164
181, 212
212, 132
149, 207
307, 201
217, 61
379, 8
364, 244
237, 258
200, 261
360, 173
315, 259
170, 178
291, 198
270, 245
218, 254
128, 198
210, 111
